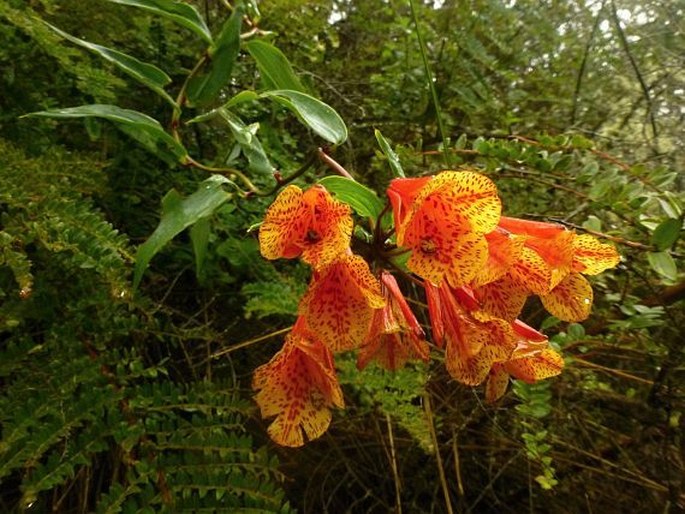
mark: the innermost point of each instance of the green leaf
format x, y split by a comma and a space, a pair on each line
180, 12
199, 236
178, 213
204, 87
141, 127
666, 234
362, 199
246, 136
318, 116
274, 67
393, 160
663, 264
243, 96
145, 73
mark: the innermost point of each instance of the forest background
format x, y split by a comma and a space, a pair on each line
115, 400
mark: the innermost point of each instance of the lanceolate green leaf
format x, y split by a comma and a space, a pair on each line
141, 127
387, 150
145, 73
204, 87
318, 116
179, 213
666, 234
182, 13
274, 67
362, 199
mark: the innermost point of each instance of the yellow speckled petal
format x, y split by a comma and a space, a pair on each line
532, 272
503, 252
592, 257
473, 343
504, 298
339, 303
434, 243
545, 364
466, 193
329, 228
469, 256
498, 381
282, 223
571, 300
298, 386
557, 252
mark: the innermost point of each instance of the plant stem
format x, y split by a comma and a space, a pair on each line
431, 85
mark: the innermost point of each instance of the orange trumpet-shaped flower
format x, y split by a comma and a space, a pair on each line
473, 340
551, 262
340, 302
395, 335
443, 220
310, 224
298, 386
531, 361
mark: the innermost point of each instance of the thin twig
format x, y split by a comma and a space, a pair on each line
436, 447
636, 69
393, 465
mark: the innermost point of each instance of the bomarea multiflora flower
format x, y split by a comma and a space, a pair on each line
395, 335
299, 387
310, 224
477, 267
443, 221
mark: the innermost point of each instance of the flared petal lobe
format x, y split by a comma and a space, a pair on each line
310, 224
591, 257
299, 387
340, 303
395, 335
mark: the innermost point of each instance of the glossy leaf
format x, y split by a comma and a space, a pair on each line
180, 12
143, 72
179, 213
274, 67
362, 199
141, 127
390, 154
663, 264
666, 234
199, 236
204, 87
318, 116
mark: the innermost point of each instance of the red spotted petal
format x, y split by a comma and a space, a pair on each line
311, 224
467, 194
340, 302
498, 381
504, 250
504, 298
473, 341
280, 228
545, 364
532, 272
571, 300
299, 387
592, 257
395, 335
557, 252
469, 257
435, 244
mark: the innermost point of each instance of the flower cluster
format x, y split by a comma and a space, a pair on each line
477, 268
